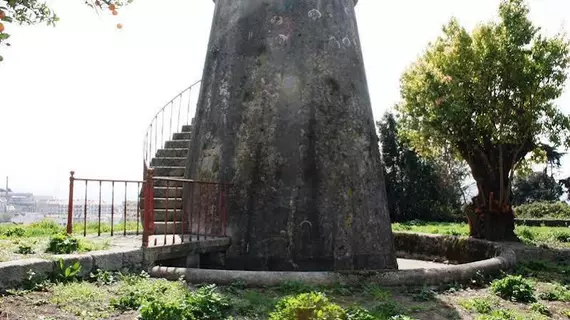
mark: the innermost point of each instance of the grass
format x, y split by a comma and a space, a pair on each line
46, 228
557, 237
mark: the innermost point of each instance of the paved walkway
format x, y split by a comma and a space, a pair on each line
405, 264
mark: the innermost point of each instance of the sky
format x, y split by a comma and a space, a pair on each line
81, 95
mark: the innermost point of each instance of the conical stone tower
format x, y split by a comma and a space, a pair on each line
284, 114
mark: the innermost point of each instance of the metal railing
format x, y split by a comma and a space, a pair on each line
97, 215
190, 210
169, 119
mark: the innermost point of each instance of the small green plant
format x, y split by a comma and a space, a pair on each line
312, 305
62, 244
377, 292
359, 313
65, 274
387, 310
479, 305
514, 288
135, 291
557, 293
423, 294
25, 249
14, 232
294, 287
35, 282
540, 308
566, 313
500, 314
102, 277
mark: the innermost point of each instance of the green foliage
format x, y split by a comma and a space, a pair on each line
25, 248
82, 299
252, 303
136, 291
387, 310
203, 304
418, 188
65, 274
536, 186
501, 314
13, 232
543, 210
102, 277
294, 287
359, 313
313, 305
62, 244
557, 293
479, 305
514, 288
540, 308
488, 96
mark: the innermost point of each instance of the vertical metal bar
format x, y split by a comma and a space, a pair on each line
162, 130
99, 211
150, 141
188, 108
220, 193
182, 212
179, 108
125, 212
85, 212
146, 214
166, 211
112, 207
70, 203
139, 206
171, 131
226, 192
199, 211
190, 187
207, 210
174, 217
156, 133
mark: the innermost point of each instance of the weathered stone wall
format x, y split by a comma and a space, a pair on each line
284, 113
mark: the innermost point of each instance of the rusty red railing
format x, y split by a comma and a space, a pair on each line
184, 210
98, 215
171, 210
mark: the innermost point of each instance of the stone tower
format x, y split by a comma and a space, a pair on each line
284, 114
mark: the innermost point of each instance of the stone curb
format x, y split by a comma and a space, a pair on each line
14, 273
502, 259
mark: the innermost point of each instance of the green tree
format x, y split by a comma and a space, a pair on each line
30, 12
488, 96
537, 186
417, 188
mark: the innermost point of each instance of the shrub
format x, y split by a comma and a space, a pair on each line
313, 305
479, 305
136, 291
165, 310
62, 244
514, 288
557, 293
538, 210
540, 308
25, 248
65, 274
14, 232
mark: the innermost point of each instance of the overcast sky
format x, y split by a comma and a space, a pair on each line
80, 96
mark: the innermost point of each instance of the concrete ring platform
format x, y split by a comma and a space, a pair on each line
471, 255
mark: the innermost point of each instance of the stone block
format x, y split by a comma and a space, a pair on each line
133, 259
13, 273
109, 260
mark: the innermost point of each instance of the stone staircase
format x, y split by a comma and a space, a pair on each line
170, 162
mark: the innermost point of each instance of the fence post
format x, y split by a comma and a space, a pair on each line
148, 214
70, 204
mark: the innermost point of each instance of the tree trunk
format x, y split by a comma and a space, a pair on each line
492, 217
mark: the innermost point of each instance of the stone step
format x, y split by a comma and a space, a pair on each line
168, 162
169, 172
171, 184
161, 214
187, 128
177, 144
182, 136
168, 227
170, 203
172, 192
172, 152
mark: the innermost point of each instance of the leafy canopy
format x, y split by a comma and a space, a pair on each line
29, 12
492, 87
